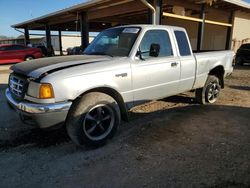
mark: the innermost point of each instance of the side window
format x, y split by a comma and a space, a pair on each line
8, 48
3, 48
17, 47
160, 37
182, 43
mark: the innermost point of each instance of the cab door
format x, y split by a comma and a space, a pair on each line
12, 53
188, 62
155, 77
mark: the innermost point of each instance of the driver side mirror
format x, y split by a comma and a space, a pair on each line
154, 50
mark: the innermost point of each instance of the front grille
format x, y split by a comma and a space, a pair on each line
17, 85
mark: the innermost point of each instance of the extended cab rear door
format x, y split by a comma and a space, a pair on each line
155, 77
187, 60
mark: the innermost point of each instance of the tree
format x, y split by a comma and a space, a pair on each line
20, 37
3, 37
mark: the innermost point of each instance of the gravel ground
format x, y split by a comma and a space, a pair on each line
172, 142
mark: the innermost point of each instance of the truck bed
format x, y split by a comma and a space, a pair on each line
206, 61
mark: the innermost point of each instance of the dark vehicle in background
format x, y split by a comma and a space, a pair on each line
77, 50
243, 54
43, 49
13, 53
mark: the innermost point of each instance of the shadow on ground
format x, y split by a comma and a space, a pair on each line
36, 138
245, 88
180, 99
3, 86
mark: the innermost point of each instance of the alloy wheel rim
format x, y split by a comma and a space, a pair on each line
213, 92
29, 58
98, 122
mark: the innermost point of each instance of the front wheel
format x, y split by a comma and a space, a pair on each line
239, 61
93, 119
210, 92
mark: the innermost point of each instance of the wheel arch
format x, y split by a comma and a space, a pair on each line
219, 72
115, 95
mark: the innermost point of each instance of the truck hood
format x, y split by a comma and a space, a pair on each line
37, 68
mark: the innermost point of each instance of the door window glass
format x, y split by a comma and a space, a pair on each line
182, 42
13, 47
160, 37
17, 47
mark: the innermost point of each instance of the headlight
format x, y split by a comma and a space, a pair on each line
40, 90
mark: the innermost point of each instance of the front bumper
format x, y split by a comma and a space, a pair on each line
44, 115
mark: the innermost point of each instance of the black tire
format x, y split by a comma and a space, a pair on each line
28, 58
210, 92
93, 119
239, 61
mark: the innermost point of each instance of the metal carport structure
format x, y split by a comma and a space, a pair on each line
97, 15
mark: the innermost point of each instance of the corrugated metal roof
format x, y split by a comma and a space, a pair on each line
80, 5
91, 3
240, 3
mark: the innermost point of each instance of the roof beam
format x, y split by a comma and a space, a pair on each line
131, 6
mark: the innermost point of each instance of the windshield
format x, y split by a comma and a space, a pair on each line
113, 42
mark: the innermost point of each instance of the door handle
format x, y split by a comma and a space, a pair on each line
174, 64
121, 75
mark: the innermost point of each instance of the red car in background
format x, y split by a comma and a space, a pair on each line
13, 53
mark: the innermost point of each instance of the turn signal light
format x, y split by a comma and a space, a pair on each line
46, 91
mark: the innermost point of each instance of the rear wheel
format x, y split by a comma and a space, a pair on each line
28, 58
210, 92
93, 119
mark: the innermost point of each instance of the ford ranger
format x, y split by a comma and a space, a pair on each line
124, 66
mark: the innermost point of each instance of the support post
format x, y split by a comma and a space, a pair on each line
84, 27
229, 32
150, 14
26, 36
48, 35
158, 10
50, 49
60, 41
149, 17
201, 28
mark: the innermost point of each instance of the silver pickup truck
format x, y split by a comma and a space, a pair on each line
124, 66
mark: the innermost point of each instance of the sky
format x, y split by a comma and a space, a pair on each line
16, 11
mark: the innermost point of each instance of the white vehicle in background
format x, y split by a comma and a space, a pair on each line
122, 67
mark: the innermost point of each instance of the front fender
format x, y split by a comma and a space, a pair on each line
70, 88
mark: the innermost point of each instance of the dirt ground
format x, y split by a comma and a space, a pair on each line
172, 142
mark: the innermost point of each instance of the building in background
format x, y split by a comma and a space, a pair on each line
241, 31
